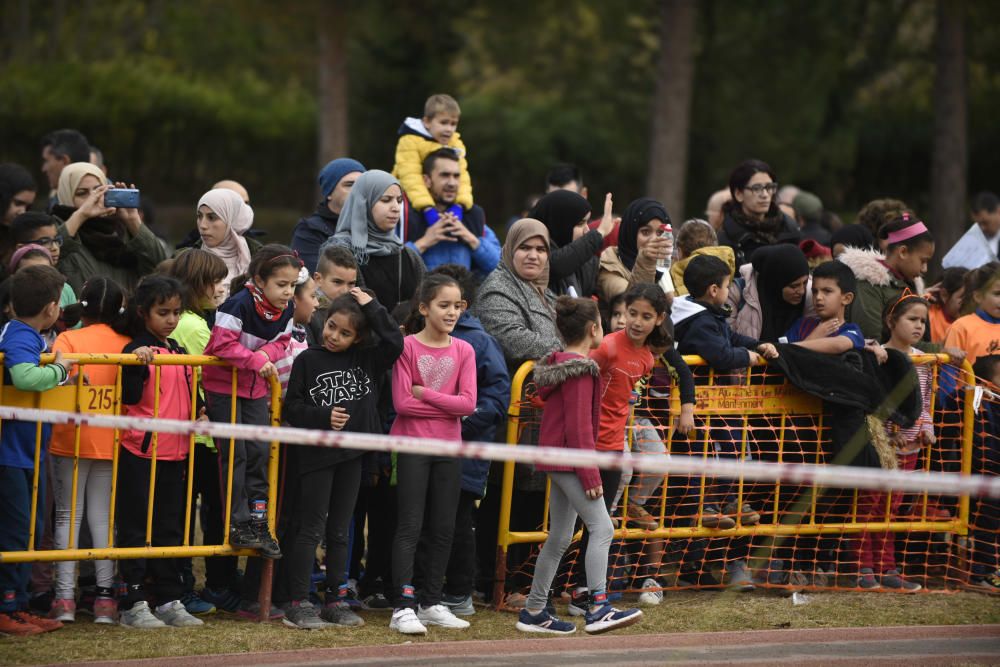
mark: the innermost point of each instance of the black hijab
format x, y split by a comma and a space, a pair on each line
637, 215
560, 211
777, 266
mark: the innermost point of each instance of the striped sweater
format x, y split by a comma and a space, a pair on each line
248, 342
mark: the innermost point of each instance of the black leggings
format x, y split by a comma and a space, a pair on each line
314, 496
431, 483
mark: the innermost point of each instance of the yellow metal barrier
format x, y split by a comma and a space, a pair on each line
83, 398
757, 395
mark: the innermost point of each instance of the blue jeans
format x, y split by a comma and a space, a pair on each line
15, 499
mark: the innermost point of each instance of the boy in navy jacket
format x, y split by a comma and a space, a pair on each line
701, 328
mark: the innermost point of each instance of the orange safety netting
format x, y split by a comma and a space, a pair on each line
669, 534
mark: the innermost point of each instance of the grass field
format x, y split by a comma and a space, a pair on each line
679, 612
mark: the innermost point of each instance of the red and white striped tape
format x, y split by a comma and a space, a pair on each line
836, 476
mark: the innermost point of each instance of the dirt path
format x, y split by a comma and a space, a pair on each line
914, 645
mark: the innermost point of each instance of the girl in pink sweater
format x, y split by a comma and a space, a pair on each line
433, 387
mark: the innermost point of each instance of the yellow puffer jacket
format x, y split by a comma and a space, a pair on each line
410, 153
723, 252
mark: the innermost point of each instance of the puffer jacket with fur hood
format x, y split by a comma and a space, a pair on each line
570, 385
878, 286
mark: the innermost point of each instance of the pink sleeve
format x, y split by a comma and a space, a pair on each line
578, 398
402, 388
463, 403
225, 344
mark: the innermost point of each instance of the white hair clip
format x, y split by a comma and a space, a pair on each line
303, 276
83, 303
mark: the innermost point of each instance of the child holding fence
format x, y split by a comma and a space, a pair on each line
333, 385
978, 334
570, 383
153, 313
34, 298
433, 388
252, 331
906, 321
102, 306
985, 512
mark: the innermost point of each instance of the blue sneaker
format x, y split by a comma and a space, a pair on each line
195, 605
543, 622
225, 599
608, 618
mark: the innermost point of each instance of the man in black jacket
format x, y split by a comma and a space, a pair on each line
335, 182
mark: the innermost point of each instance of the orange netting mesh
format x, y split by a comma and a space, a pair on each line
686, 532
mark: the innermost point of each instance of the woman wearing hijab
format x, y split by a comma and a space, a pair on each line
367, 225
514, 303
573, 261
223, 220
772, 294
98, 240
640, 246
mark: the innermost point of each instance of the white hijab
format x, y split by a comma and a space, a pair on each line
238, 216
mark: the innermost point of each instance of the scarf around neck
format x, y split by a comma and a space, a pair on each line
266, 310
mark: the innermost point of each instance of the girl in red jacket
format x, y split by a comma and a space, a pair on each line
569, 382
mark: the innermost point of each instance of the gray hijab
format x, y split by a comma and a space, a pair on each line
355, 227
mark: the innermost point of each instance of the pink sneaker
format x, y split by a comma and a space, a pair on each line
63, 610
105, 611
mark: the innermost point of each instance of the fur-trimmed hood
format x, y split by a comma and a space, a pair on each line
867, 265
559, 367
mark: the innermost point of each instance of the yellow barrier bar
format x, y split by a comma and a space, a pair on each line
958, 525
57, 399
760, 530
34, 486
122, 553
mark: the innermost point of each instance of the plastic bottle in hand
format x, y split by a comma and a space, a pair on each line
666, 232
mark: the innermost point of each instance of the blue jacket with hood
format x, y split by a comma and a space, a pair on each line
702, 329
491, 402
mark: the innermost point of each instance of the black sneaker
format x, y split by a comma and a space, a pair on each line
378, 602
268, 545
243, 536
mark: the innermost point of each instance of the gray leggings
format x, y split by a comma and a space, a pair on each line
566, 501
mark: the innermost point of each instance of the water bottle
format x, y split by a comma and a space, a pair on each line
666, 232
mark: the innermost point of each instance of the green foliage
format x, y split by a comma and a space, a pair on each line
837, 96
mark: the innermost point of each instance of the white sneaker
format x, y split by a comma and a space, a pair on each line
440, 615
406, 622
174, 614
139, 616
651, 594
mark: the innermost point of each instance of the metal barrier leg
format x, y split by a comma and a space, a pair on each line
264, 594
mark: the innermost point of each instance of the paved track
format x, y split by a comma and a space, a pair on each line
909, 646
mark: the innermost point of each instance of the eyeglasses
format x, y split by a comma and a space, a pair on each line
49, 241
760, 188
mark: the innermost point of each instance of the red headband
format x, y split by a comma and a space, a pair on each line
906, 233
